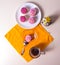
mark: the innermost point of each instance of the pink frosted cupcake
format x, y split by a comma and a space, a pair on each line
33, 12
22, 18
24, 10
28, 38
32, 20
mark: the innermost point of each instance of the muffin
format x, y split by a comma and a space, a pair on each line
22, 18
24, 10
32, 20
33, 12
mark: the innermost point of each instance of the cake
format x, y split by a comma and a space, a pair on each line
32, 20
24, 10
22, 18
33, 11
28, 38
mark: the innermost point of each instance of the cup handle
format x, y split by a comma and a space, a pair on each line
42, 52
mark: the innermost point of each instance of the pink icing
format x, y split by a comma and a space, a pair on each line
28, 38
24, 10
22, 18
33, 12
32, 20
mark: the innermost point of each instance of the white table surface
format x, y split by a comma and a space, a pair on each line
8, 55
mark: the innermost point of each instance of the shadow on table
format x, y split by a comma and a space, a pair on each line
54, 17
46, 48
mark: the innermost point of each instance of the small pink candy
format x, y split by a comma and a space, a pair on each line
22, 18
28, 38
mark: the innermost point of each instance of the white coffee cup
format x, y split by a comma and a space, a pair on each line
35, 52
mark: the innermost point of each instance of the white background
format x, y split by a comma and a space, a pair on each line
8, 55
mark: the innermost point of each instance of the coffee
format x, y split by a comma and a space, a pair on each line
35, 51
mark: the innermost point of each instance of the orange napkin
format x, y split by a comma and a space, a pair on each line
17, 34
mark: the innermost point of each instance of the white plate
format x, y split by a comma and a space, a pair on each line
27, 25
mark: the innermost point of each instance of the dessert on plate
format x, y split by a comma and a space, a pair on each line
24, 10
23, 18
32, 20
33, 11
